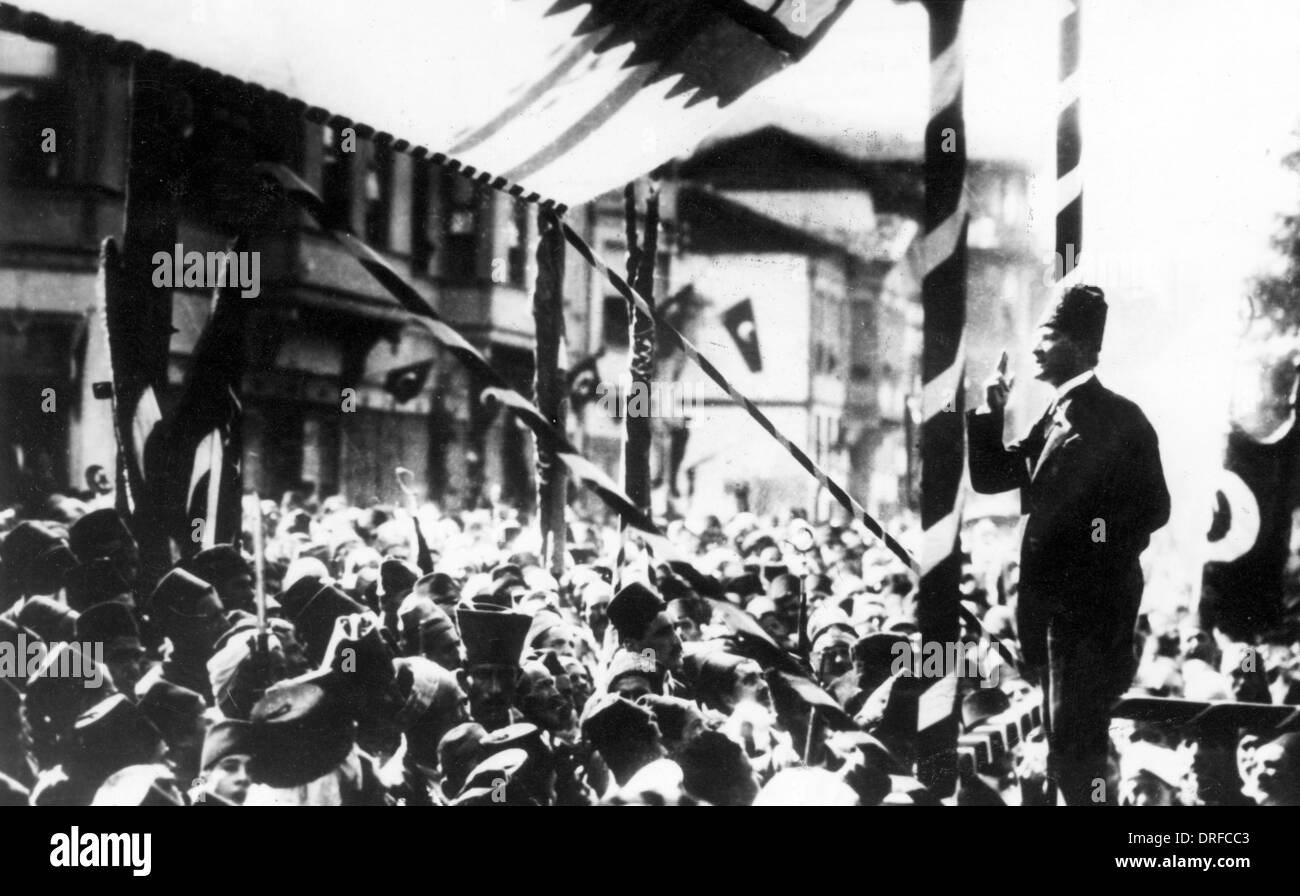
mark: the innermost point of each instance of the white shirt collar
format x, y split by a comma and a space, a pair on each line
1073, 383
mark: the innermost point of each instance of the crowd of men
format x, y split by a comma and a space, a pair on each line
427, 659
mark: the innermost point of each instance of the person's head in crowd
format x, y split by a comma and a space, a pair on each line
459, 751
716, 770
633, 675
227, 752
1245, 671
1196, 643
723, 680
103, 533
1150, 775
595, 597
641, 621
549, 631
429, 632
494, 642
224, 568
580, 680
49, 618
1276, 769
113, 625
433, 704
679, 721
188, 611
178, 714
67, 683
624, 734
34, 559
541, 699
689, 614
96, 582
109, 736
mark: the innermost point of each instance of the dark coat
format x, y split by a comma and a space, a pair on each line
1092, 491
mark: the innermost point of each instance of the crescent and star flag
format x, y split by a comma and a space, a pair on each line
739, 321
192, 459
1250, 525
404, 383
583, 380
558, 101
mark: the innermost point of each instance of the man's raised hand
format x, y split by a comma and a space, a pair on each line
998, 386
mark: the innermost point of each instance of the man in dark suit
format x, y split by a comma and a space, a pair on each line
1092, 491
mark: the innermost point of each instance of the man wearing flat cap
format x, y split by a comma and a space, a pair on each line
1092, 490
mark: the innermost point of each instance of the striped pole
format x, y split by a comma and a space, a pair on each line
1069, 151
943, 301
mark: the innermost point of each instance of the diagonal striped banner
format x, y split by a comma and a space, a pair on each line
688, 348
582, 470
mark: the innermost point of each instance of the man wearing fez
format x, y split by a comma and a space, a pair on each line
494, 643
640, 618
187, 610
225, 569
1092, 491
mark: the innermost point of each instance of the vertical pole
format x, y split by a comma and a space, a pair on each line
548, 316
943, 300
641, 340
1069, 151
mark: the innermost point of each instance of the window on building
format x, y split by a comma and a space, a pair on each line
336, 177
33, 111
379, 195
517, 250
422, 241
462, 201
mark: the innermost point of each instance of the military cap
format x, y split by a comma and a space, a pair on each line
459, 751
492, 636
99, 534
633, 609
1080, 313
229, 737
302, 730
55, 697
172, 708
140, 785
95, 582
49, 618
217, 564
493, 781
35, 559
314, 616
111, 735
183, 594
111, 624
